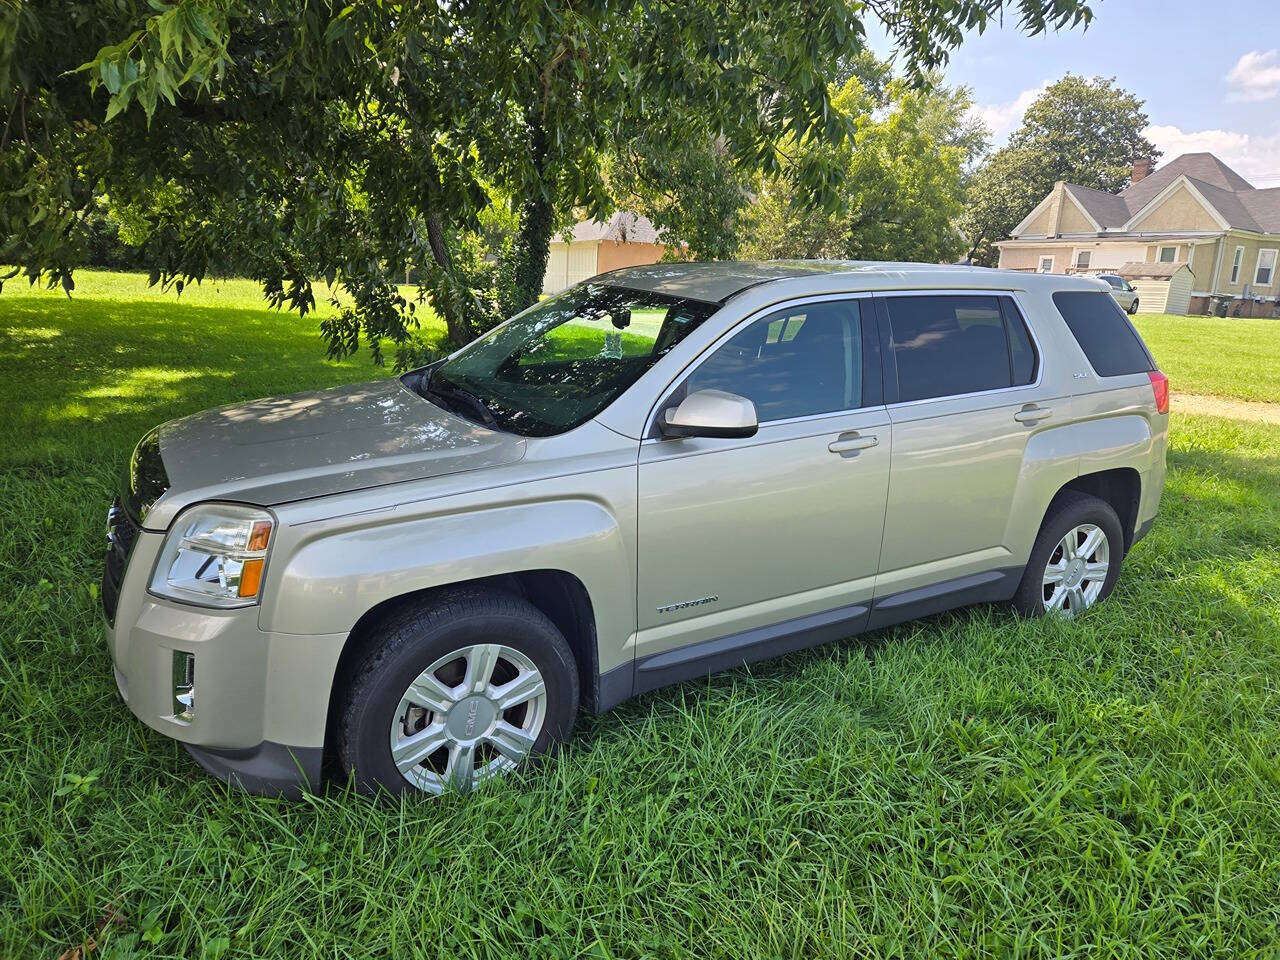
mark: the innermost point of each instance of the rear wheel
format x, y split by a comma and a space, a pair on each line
464, 689
1076, 558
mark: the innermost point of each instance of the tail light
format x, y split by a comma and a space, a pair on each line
1160, 386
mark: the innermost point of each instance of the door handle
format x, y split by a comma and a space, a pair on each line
1030, 414
852, 444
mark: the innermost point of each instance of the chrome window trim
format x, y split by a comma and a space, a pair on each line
834, 414
1031, 332
687, 371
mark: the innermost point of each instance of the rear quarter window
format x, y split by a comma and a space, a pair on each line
1103, 332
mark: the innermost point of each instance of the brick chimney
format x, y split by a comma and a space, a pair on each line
1141, 168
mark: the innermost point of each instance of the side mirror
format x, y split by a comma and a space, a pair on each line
710, 413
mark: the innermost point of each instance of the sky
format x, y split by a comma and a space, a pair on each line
1209, 72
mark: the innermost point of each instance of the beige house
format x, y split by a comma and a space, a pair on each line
1194, 212
626, 240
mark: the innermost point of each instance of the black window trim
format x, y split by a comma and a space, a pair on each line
891, 361
873, 383
1011, 313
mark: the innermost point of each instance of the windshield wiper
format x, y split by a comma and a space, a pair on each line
453, 392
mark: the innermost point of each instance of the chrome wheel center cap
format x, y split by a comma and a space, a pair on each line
470, 717
1075, 572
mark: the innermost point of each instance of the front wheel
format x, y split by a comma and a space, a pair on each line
1076, 558
467, 687
1133, 307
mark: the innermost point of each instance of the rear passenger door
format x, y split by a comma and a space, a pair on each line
964, 394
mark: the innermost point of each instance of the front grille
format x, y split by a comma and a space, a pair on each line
122, 534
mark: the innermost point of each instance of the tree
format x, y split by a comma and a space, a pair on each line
1087, 132
1001, 192
899, 185
304, 140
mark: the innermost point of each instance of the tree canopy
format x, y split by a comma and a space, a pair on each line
900, 185
291, 141
1083, 131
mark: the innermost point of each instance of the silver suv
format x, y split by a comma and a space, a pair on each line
662, 472
1122, 290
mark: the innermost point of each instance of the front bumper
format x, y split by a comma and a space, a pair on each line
269, 768
261, 699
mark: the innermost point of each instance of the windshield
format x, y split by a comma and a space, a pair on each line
564, 361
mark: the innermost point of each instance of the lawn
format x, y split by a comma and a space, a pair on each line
966, 785
1220, 356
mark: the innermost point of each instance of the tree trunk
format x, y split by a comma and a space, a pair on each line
448, 298
537, 219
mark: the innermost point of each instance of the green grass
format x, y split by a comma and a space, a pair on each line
967, 785
1228, 357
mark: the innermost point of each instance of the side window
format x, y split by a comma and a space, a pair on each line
1103, 332
796, 363
1023, 354
950, 345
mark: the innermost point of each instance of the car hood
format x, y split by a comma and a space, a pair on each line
306, 445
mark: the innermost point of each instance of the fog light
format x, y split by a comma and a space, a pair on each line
184, 686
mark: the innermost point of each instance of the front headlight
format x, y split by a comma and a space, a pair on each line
214, 555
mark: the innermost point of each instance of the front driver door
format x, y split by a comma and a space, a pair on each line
740, 536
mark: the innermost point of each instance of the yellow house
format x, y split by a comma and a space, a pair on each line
1194, 211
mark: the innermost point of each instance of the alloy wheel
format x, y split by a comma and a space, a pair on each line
473, 713
1076, 571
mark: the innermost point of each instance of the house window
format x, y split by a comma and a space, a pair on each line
1082, 259
1236, 261
1266, 268
1168, 254
1046, 264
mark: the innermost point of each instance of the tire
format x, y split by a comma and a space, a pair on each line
408, 689
1133, 307
1081, 513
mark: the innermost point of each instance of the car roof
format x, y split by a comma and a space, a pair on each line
718, 281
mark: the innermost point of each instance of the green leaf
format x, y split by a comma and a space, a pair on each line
110, 71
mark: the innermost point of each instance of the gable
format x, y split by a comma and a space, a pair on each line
1037, 226
1179, 210
1073, 220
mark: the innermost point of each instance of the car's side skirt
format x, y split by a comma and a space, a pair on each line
764, 643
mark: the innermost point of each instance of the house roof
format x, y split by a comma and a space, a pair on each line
1106, 208
1233, 198
1264, 206
1204, 167
622, 227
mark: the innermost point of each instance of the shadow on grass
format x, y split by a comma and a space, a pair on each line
86, 373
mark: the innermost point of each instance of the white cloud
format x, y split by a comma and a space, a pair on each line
1255, 77
1254, 157
1003, 118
